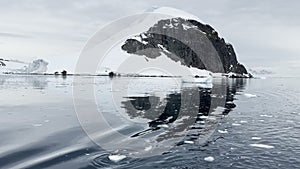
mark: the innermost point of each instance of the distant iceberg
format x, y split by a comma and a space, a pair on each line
11, 66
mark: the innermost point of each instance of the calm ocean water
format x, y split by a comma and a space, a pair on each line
238, 123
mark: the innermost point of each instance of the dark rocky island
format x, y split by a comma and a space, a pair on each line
189, 41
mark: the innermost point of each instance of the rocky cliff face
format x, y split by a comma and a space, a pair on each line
1, 62
189, 41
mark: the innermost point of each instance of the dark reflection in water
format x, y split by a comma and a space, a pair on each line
70, 148
192, 101
60, 142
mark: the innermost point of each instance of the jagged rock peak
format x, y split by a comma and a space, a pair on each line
196, 44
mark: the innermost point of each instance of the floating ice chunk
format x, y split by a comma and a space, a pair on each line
203, 117
163, 126
236, 124
188, 142
46, 121
148, 148
243, 121
249, 95
211, 118
116, 158
262, 146
223, 131
255, 138
209, 159
37, 125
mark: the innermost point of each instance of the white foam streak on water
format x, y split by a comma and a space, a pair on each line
265, 115
262, 146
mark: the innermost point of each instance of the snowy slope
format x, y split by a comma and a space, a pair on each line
119, 61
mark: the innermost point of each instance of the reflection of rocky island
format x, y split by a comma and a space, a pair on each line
185, 109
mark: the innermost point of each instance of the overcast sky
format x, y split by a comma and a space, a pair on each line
265, 34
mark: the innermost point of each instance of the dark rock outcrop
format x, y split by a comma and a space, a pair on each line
193, 43
64, 73
1, 62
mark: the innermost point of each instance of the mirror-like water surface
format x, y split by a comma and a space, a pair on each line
154, 122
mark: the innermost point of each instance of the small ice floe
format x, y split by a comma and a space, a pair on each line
188, 142
37, 125
203, 117
46, 121
243, 121
255, 138
262, 146
265, 115
116, 158
148, 148
249, 95
163, 126
236, 124
169, 118
223, 131
209, 159
211, 118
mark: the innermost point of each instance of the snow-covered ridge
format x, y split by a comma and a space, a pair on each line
173, 23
